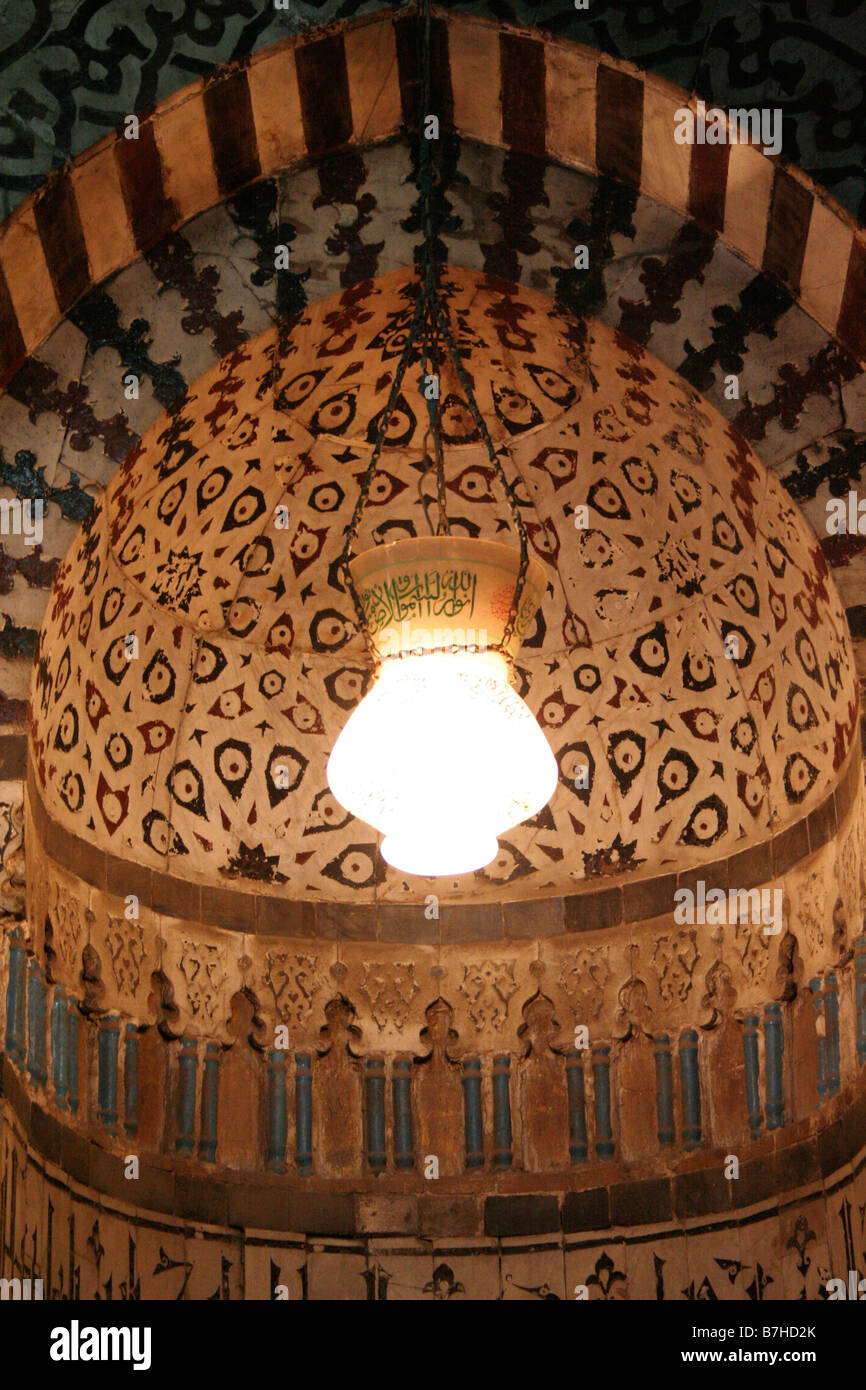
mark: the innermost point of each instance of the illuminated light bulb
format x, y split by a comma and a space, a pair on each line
441, 756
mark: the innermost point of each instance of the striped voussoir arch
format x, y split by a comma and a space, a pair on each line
356, 84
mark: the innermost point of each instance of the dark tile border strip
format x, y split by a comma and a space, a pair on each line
323, 84
524, 105
231, 130
595, 909
152, 214
367, 1206
787, 230
851, 323
441, 93
13, 757
619, 124
62, 237
708, 184
12, 350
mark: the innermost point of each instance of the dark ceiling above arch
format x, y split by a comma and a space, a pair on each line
71, 74
504, 87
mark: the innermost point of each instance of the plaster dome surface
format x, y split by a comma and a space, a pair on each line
691, 651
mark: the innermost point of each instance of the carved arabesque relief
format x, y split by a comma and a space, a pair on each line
390, 987
488, 986
634, 1015
12, 857
848, 876
203, 967
125, 942
751, 944
811, 910
674, 960
584, 977
67, 919
294, 981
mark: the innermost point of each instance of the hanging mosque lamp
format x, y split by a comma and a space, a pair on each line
442, 755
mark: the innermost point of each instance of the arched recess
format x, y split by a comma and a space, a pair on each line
527, 99
253, 120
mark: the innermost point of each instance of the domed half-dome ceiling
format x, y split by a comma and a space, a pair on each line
690, 653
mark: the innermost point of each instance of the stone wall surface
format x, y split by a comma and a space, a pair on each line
694, 1238
347, 1059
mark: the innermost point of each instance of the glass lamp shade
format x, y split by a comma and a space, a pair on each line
441, 756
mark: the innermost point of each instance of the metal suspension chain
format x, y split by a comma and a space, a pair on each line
352, 532
507, 487
430, 289
430, 322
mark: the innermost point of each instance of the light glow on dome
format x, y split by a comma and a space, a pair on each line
441, 756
